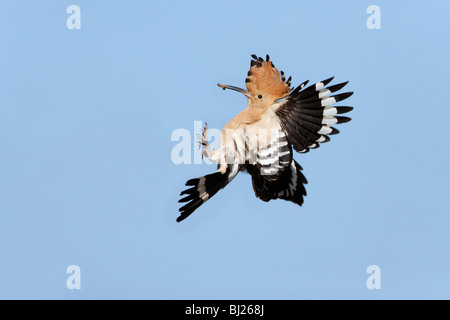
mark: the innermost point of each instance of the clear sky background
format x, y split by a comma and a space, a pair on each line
86, 176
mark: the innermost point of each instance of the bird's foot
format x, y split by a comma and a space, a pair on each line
203, 142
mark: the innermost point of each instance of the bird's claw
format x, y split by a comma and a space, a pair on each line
203, 141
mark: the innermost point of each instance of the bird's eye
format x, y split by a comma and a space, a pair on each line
260, 96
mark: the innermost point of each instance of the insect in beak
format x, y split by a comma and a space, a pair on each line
243, 91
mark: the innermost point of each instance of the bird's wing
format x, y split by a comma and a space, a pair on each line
267, 147
307, 115
204, 188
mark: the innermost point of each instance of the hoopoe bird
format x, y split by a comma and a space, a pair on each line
261, 138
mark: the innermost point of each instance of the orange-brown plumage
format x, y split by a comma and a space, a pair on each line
264, 78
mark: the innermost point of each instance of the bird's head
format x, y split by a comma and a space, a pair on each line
265, 84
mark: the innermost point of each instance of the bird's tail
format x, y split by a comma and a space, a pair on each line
289, 186
201, 190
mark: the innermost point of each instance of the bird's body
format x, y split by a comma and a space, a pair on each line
260, 139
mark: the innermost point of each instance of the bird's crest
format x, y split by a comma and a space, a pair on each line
265, 78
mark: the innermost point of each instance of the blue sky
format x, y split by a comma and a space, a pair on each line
86, 176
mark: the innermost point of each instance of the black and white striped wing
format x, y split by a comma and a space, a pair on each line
204, 188
268, 149
307, 115
273, 158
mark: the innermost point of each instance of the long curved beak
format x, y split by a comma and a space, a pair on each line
243, 91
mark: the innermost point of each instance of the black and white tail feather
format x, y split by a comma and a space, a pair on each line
306, 118
289, 186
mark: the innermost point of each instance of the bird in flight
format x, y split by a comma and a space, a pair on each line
261, 138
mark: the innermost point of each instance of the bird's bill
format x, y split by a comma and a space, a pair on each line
243, 91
